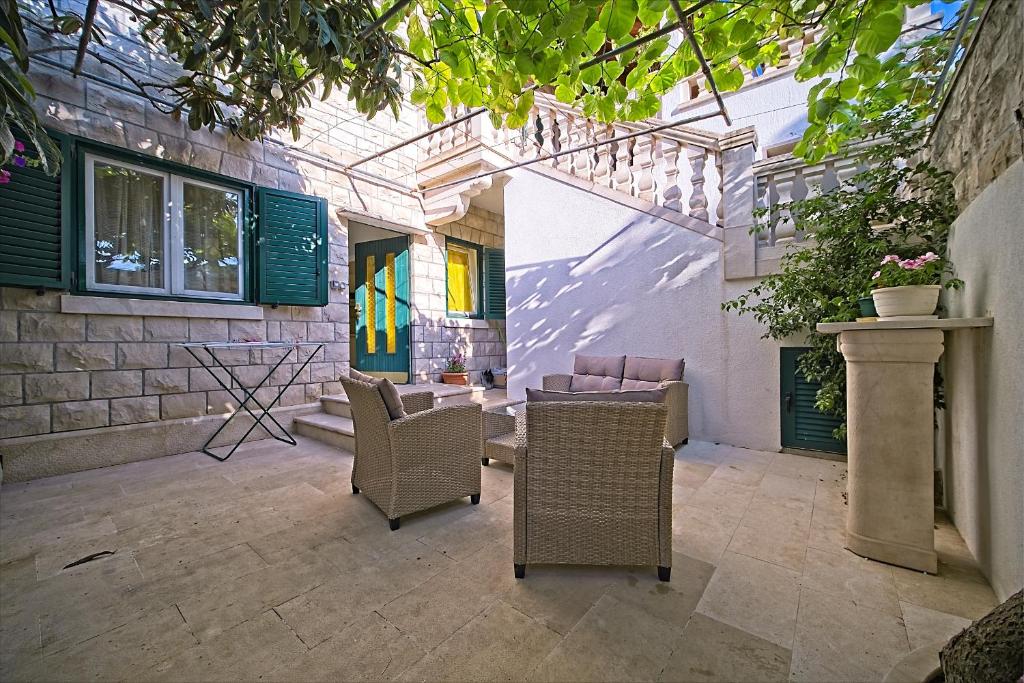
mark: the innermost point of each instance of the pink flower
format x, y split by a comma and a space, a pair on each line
19, 146
877, 275
891, 258
910, 264
5, 176
928, 258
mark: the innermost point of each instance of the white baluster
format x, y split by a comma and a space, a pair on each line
643, 168
698, 157
773, 211
798, 193
720, 206
764, 235
672, 194
583, 161
539, 133
602, 165
785, 229
621, 175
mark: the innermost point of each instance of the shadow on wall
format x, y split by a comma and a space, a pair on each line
651, 289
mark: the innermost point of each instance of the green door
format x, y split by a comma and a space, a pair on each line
802, 425
382, 308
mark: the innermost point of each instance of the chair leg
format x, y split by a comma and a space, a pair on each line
520, 570
395, 523
475, 499
355, 489
485, 461
664, 573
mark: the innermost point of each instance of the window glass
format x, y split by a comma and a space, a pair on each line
462, 280
128, 216
211, 219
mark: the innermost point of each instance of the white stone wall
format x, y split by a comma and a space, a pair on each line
617, 281
977, 138
435, 336
62, 372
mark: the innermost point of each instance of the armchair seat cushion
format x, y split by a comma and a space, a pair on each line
594, 383
648, 373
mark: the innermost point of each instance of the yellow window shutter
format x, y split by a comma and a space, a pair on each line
460, 298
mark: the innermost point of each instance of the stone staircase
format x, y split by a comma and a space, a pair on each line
334, 424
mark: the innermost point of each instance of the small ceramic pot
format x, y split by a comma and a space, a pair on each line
910, 300
867, 307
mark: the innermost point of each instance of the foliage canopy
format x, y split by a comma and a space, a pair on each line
252, 65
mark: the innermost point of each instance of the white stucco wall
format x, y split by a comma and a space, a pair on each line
616, 281
985, 382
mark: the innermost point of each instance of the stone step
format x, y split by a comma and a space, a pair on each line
335, 430
336, 405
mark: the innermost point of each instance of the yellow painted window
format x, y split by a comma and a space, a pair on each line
462, 280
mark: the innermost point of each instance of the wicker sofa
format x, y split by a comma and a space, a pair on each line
410, 463
593, 485
612, 373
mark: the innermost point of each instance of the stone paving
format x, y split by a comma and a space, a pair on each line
268, 567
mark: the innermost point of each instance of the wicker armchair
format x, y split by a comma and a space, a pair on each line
413, 463
593, 485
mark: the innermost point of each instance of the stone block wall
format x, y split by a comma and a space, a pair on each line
976, 134
69, 371
437, 337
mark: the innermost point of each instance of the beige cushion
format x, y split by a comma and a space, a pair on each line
649, 396
388, 392
647, 373
594, 383
606, 366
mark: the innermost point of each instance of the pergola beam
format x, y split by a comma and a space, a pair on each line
683, 19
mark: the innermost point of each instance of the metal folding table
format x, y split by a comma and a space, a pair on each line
194, 348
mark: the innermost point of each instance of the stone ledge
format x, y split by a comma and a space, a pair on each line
47, 455
101, 305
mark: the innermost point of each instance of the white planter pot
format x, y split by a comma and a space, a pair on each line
911, 300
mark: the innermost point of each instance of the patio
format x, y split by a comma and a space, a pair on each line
267, 567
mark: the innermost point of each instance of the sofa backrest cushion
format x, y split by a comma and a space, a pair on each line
605, 366
648, 373
594, 383
647, 396
388, 392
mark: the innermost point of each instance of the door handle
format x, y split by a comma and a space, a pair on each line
789, 402
357, 311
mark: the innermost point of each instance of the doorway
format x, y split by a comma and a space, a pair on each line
380, 312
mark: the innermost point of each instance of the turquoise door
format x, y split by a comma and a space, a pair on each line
381, 287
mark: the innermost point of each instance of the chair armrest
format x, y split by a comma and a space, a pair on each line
677, 396
439, 434
417, 402
556, 382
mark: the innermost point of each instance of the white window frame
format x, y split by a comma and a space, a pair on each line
90, 228
173, 262
178, 258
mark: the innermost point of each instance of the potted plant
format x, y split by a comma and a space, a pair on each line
909, 287
455, 371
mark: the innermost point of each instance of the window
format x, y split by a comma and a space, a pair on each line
152, 232
463, 279
476, 280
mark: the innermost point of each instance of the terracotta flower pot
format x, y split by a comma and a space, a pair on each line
455, 378
911, 300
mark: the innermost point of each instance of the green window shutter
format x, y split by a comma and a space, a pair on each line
494, 283
803, 426
35, 224
292, 248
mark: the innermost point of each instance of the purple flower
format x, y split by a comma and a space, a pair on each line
19, 146
19, 160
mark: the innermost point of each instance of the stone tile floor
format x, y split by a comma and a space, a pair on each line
267, 567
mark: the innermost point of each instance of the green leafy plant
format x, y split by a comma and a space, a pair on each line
899, 205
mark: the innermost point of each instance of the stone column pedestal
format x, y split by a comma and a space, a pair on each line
890, 440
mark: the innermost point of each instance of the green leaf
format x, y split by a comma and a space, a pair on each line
879, 34
435, 114
742, 31
617, 18
866, 69
651, 12
849, 87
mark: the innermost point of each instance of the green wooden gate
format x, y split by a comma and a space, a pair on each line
382, 332
803, 426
